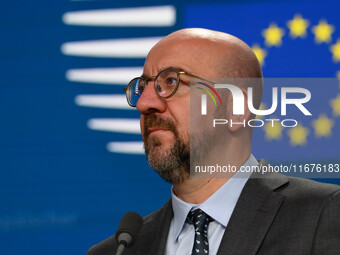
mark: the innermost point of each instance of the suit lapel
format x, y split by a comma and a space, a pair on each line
253, 215
153, 238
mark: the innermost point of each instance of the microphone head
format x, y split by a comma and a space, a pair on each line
129, 228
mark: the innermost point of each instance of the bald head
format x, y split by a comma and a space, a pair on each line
209, 54
227, 54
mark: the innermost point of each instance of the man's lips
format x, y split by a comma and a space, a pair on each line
156, 130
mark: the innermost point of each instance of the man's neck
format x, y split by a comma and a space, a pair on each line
197, 190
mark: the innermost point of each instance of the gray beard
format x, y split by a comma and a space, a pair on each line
172, 165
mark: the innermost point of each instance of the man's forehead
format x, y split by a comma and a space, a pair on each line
187, 57
154, 65
175, 67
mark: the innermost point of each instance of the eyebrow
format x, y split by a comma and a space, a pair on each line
168, 67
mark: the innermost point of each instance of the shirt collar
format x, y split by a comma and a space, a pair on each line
219, 206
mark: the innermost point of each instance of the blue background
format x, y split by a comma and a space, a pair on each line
61, 191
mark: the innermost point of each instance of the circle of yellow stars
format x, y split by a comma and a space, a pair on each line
297, 27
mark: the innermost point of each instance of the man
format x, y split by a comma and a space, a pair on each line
273, 215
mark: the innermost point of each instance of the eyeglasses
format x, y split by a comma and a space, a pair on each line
166, 84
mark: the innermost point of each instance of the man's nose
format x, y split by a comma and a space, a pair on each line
149, 101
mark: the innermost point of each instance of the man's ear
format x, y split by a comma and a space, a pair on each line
235, 122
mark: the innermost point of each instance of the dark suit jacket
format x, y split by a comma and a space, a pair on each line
274, 215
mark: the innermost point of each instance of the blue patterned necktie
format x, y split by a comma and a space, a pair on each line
201, 221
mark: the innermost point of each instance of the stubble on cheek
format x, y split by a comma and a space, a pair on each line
154, 121
168, 155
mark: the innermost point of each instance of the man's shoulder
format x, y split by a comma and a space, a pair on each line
307, 188
109, 245
299, 194
295, 214
309, 193
296, 188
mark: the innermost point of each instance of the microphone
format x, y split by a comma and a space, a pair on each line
127, 231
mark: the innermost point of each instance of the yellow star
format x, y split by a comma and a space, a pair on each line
323, 32
298, 26
298, 135
273, 35
273, 130
322, 126
335, 103
335, 49
263, 106
260, 53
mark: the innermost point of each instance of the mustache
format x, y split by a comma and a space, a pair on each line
153, 120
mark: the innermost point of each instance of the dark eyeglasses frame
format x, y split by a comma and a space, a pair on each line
154, 78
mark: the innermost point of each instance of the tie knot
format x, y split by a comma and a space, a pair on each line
199, 219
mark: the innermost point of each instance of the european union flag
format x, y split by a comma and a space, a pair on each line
299, 40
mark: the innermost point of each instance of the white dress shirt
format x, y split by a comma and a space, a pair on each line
219, 206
